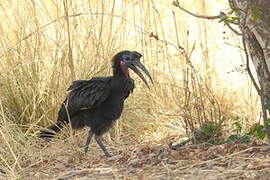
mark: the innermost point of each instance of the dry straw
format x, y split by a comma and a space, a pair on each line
46, 44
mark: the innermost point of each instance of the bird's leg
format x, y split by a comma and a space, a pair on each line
88, 140
101, 145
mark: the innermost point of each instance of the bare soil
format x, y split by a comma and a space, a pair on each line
228, 161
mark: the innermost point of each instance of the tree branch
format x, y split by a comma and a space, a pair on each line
220, 16
233, 30
176, 4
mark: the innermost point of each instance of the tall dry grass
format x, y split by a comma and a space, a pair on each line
46, 44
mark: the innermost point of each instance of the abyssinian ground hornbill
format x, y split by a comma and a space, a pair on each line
98, 102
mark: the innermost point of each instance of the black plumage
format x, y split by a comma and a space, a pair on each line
98, 102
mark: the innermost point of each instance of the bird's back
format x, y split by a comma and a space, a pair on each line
96, 103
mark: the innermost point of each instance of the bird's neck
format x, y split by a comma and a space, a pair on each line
119, 74
119, 81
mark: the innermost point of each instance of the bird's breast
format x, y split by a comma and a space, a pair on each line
112, 107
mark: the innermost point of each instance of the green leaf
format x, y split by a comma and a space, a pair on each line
267, 106
268, 121
245, 138
238, 125
235, 18
224, 19
257, 130
233, 137
256, 12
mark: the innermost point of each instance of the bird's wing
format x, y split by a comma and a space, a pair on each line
129, 88
87, 94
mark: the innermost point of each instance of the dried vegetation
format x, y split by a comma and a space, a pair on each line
46, 44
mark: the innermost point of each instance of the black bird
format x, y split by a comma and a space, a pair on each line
98, 102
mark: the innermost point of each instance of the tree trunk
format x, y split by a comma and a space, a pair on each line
255, 26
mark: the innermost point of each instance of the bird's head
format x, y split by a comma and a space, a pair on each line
126, 60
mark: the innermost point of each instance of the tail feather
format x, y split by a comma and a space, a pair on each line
62, 120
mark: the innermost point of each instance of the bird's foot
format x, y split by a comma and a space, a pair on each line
107, 154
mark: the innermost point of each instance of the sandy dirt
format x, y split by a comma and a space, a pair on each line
227, 161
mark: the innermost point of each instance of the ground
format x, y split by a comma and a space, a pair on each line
227, 161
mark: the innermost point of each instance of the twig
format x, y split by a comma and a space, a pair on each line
73, 174
233, 30
176, 4
216, 159
220, 16
174, 147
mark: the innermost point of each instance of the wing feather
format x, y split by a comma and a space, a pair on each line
87, 94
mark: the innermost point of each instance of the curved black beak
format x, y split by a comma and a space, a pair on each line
136, 63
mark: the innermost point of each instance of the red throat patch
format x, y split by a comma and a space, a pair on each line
126, 72
124, 68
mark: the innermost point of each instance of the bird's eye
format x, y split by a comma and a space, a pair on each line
126, 58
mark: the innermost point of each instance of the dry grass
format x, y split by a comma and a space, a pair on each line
46, 44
